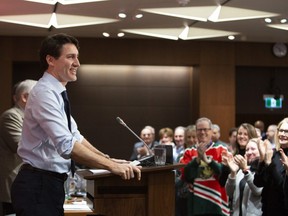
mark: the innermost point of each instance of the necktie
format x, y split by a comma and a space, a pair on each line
68, 115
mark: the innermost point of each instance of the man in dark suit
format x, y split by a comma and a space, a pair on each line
11, 122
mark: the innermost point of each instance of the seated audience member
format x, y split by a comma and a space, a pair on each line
11, 122
148, 136
270, 133
260, 124
246, 197
166, 136
190, 139
178, 149
216, 134
232, 136
258, 131
206, 196
190, 136
272, 173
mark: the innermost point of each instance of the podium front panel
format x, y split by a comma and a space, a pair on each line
154, 194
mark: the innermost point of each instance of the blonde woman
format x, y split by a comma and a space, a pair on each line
240, 186
272, 173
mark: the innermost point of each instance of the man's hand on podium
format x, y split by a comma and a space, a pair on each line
126, 169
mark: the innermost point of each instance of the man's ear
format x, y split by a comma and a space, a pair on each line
24, 97
50, 60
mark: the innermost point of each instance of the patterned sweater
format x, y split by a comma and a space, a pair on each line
206, 195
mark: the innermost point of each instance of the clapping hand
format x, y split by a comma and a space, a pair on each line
224, 157
201, 148
265, 151
228, 160
241, 161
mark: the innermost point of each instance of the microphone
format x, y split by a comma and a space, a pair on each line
145, 161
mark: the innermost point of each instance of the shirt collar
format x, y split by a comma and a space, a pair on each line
57, 85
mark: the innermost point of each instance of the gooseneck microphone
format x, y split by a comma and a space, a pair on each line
125, 125
145, 161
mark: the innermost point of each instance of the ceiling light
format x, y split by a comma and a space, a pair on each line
139, 16
279, 26
105, 34
56, 20
172, 34
268, 20
231, 37
120, 34
192, 13
122, 15
283, 20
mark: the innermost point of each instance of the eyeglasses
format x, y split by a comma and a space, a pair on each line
283, 131
203, 129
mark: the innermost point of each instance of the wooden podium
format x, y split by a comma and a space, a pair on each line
154, 194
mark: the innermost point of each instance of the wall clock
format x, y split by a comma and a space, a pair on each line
279, 49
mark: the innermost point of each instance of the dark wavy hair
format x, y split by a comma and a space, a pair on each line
52, 45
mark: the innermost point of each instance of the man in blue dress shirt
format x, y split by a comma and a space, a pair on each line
48, 144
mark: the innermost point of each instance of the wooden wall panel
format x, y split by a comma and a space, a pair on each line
140, 95
217, 85
139, 52
217, 53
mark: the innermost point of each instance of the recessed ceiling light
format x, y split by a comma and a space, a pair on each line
139, 16
268, 20
105, 34
120, 34
122, 15
283, 20
231, 37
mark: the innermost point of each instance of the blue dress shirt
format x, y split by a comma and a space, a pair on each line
46, 141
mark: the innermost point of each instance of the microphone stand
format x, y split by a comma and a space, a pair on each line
144, 161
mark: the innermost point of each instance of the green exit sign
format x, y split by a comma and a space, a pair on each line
273, 103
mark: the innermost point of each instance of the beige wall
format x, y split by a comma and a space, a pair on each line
215, 66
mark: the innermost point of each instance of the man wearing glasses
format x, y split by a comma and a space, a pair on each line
202, 171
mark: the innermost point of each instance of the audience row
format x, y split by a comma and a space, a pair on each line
245, 176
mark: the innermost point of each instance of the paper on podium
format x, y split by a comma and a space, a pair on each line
80, 206
99, 171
